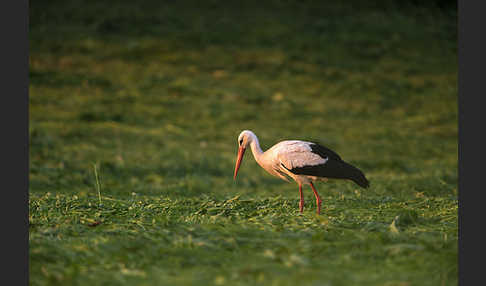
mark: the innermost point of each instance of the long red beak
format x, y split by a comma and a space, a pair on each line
241, 151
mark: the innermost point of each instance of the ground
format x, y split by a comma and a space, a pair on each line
135, 109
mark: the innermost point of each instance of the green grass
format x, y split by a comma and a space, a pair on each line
155, 94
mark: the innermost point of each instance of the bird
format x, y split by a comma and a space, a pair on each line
304, 162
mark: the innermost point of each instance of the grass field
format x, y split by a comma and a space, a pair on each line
135, 109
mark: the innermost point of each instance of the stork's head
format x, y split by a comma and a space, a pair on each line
244, 140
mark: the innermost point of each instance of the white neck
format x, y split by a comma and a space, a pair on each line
256, 150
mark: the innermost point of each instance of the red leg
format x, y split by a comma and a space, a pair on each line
318, 198
301, 203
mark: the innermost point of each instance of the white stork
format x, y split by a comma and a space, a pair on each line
302, 161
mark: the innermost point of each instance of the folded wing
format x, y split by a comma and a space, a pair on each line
311, 159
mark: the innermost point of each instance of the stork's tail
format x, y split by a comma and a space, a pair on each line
356, 175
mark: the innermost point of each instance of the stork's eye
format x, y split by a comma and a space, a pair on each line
241, 141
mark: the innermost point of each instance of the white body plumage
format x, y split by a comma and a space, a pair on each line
287, 155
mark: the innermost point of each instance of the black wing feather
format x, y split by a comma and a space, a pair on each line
334, 167
324, 152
